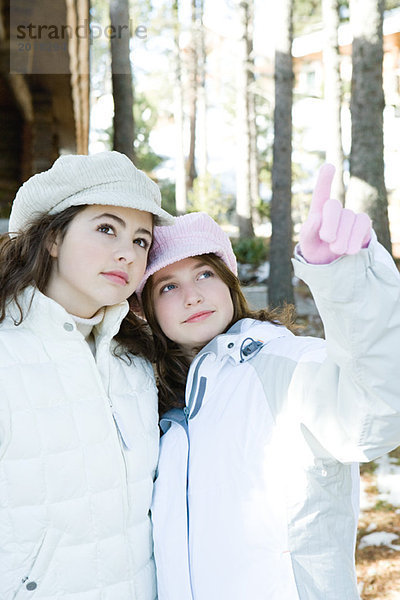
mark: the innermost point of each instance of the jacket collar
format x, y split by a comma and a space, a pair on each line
48, 319
234, 341
240, 343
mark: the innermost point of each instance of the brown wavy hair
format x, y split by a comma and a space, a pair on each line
25, 260
171, 362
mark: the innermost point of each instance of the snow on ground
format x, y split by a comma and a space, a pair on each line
379, 538
388, 479
366, 500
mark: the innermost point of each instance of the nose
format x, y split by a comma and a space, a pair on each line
192, 296
125, 252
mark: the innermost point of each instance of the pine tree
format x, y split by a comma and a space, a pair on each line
367, 191
280, 289
122, 83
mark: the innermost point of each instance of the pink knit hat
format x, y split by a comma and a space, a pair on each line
190, 235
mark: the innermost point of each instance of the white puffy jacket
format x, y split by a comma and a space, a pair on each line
74, 491
254, 493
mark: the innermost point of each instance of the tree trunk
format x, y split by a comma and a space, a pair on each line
333, 95
243, 170
280, 289
191, 162
367, 191
202, 160
253, 131
122, 83
180, 170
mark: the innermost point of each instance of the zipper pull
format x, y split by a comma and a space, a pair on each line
186, 413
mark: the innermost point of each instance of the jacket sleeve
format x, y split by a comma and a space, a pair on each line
351, 399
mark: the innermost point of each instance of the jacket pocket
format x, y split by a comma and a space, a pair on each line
35, 575
324, 470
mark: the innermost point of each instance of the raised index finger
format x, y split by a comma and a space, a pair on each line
322, 188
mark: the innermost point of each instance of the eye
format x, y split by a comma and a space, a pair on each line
167, 288
206, 275
142, 242
106, 228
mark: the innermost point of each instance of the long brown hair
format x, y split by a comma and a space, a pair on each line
172, 364
25, 260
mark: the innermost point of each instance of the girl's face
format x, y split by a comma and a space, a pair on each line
101, 258
191, 303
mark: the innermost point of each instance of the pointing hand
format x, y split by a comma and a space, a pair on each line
330, 230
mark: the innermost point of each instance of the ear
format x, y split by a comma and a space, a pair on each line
53, 247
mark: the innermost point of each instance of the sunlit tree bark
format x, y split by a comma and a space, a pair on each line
180, 170
243, 107
333, 94
202, 160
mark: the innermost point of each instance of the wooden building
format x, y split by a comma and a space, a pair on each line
44, 111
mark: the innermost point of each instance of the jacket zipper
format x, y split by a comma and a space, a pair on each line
186, 412
119, 438
113, 422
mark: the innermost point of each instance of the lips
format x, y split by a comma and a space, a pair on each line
200, 316
119, 277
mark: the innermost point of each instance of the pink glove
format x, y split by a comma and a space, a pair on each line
330, 230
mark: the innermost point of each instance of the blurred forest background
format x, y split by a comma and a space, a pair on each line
231, 106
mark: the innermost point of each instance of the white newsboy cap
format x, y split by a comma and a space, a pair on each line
108, 178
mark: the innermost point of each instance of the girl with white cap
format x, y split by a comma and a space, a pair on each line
78, 410
254, 496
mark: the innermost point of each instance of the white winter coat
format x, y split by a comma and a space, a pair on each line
253, 498
74, 499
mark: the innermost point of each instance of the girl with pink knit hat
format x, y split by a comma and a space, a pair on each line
256, 482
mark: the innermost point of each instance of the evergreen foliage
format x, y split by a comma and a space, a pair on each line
253, 251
